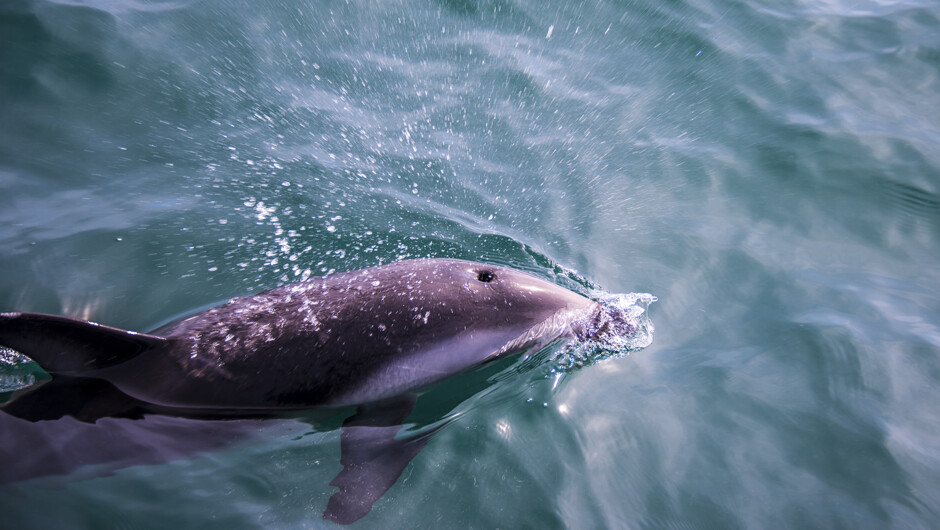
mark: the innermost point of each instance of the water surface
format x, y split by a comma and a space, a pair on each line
770, 171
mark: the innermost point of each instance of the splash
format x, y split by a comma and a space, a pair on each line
15, 370
620, 326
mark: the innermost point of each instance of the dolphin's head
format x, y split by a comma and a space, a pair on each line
492, 311
541, 310
514, 291
495, 294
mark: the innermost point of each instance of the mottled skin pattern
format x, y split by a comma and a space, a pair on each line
348, 338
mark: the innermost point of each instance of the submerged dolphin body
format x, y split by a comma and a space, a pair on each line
363, 338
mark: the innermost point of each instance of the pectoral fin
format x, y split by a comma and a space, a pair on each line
372, 457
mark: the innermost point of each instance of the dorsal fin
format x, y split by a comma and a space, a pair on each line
72, 347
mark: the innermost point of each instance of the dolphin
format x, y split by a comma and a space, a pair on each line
364, 339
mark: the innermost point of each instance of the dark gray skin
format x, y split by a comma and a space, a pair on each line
365, 338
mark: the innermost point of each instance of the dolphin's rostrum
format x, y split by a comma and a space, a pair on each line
363, 338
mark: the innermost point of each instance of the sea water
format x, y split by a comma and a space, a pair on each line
770, 171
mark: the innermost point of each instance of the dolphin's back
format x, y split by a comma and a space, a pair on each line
340, 340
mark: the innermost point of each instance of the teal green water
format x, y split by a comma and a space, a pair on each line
769, 170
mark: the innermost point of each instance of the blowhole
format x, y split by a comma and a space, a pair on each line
486, 276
